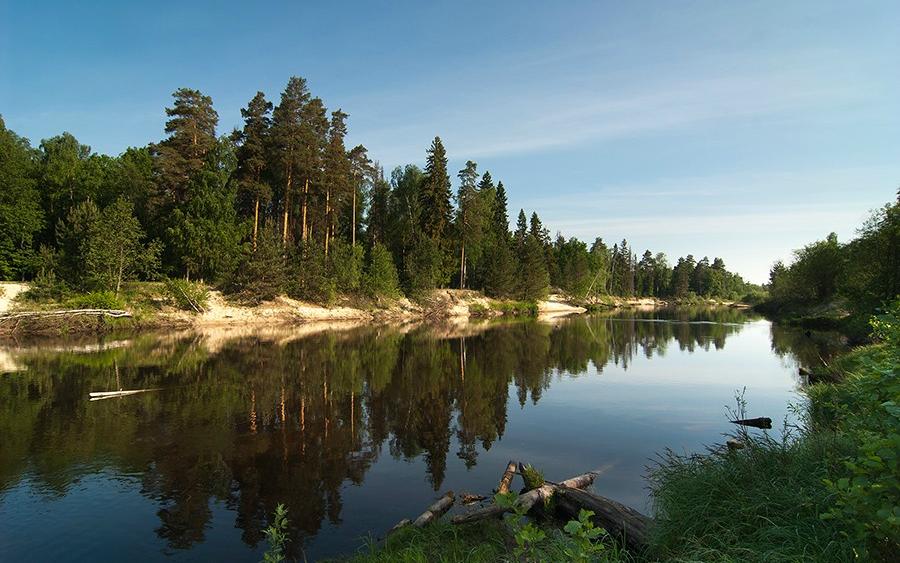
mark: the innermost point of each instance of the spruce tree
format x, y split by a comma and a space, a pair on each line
534, 280
434, 197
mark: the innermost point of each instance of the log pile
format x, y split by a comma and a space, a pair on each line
624, 523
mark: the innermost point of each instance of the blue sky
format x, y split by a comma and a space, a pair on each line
733, 129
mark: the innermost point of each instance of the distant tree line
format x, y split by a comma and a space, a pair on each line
864, 273
282, 205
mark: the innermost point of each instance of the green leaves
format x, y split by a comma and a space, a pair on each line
277, 536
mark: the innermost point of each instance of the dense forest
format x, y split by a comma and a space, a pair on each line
826, 277
282, 205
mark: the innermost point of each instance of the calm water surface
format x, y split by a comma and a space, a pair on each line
355, 429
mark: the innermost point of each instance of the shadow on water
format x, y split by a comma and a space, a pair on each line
244, 423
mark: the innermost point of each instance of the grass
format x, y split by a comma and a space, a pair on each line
758, 504
828, 491
443, 542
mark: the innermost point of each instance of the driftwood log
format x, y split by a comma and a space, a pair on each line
623, 523
526, 500
507, 478
115, 313
761, 422
435, 511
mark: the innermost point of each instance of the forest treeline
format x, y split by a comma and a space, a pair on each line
283, 206
860, 275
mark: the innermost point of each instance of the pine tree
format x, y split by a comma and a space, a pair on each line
362, 175
466, 195
290, 148
192, 135
336, 176
378, 220
253, 143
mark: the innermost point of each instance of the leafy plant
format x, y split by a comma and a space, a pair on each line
526, 534
586, 544
277, 536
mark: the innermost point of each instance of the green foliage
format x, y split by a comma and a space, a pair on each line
186, 295
525, 533
101, 249
262, 274
205, 231
95, 300
533, 477
277, 536
423, 266
381, 279
534, 279
864, 271
346, 266
586, 538
21, 215
865, 408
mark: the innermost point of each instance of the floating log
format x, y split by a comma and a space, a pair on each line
507, 478
526, 500
761, 422
623, 523
100, 395
435, 511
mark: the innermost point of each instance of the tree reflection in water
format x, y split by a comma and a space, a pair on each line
258, 420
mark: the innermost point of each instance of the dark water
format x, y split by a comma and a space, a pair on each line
356, 429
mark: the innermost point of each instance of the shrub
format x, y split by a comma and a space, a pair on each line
185, 295
95, 300
381, 278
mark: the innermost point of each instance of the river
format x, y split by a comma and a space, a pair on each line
356, 429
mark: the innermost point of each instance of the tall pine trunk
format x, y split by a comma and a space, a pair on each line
303, 227
255, 222
287, 207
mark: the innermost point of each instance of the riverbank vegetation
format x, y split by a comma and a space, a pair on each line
830, 284
283, 206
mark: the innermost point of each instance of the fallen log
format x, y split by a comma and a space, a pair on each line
526, 500
115, 313
623, 523
507, 478
761, 422
435, 511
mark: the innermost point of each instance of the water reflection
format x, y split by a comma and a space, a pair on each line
247, 422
